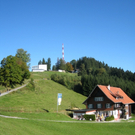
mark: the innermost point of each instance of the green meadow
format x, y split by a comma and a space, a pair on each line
41, 127
39, 107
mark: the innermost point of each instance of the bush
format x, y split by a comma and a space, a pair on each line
69, 81
88, 117
109, 118
31, 85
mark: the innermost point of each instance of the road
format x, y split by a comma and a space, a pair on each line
5, 93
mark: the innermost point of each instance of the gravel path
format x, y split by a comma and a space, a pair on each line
13, 117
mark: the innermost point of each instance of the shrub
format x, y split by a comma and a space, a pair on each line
31, 84
109, 118
88, 117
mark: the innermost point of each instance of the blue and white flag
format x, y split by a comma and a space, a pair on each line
59, 98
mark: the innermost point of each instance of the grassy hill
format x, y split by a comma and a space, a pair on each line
43, 99
40, 108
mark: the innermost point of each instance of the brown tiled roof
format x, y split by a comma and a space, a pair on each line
116, 94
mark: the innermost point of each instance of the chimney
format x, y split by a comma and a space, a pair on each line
108, 87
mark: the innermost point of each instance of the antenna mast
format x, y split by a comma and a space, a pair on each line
63, 51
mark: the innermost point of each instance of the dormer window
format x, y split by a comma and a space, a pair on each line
99, 98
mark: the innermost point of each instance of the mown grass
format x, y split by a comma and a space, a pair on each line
41, 127
39, 115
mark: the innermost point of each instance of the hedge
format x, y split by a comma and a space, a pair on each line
109, 118
88, 117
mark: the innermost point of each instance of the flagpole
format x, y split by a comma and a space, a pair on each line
57, 103
59, 99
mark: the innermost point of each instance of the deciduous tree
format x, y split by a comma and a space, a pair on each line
13, 71
24, 56
69, 67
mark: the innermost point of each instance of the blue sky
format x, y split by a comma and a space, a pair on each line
102, 29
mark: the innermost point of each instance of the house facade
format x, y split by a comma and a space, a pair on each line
106, 101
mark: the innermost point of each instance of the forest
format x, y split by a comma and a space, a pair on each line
92, 72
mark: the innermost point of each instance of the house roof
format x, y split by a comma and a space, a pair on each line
117, 95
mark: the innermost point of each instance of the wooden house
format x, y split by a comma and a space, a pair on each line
106, 101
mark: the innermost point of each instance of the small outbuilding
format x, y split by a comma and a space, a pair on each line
39, 68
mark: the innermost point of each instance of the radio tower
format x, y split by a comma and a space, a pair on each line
63, 51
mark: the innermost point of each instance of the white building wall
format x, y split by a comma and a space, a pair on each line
35, 67
89, 113
127, 112
39, 68
115, 114
44, 67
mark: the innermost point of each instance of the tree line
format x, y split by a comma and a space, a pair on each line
61, 64
91, 66
92, 73
48, 62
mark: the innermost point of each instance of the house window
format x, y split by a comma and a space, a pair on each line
108, 105
98, 105
90, 106
98, 98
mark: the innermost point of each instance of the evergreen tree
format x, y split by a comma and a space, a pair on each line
40, 62
82, 70
73, 63
61, 64
43, 61
48, 64
54, 68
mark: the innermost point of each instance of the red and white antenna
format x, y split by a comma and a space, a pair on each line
63, 51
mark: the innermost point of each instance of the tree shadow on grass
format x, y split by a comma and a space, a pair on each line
45, 110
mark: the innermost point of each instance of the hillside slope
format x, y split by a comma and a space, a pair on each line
44, 98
